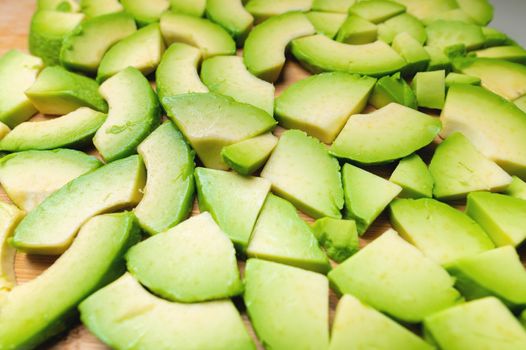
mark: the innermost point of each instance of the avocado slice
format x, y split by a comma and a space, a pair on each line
280, 235
521, 103
134, 112
227, 75
264, 9
359, 326
376, 11
430, 89
404, 23
264, 51
366, 195
321, 104
494, 37
51, 227
458, 168
356, 30
336, 6
480, 10
288, 307
94, 259
231, 15
458, 78
424, 9
392, 89
517, 188
94, 8
233, 200
338, 237
451, 15
84, 48
398, 131
116, 312
412, 51
145, 12
439, 60
247, 156
142, 50
58, 5
189, 7
444, 34
414, 177
192, 276
233, 122
327, 23
10, 216
508, 53
31, 176
58, 91
302, 171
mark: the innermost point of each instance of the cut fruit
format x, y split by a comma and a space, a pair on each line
456, 15
94, 8
264, 9
521, 103
456, 78
376, 11
413, 52
247, 156
231, 15
480, 10
517, 188
189, 7
494, 37
326, 23
145, 11
508, 53
338, 237
430, 89
439, 60
58, 5
445, 34
356, 30
404, 23
414, 177
424, 9
337, 6
10, 216
392, 89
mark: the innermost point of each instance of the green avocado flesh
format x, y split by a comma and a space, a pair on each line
517, 188
231, 15
264, 9
376, 11
51, 227
439, 60
247, 156
94, 259
10, 216
356, 30
430, 89
508, 53
94, 8
457, 78
425, 9
480, 10
338, 237
58, 5
445, 34
189, 7
336, 6
391, 89
327, 23
412, 51
414, 177
404, 23
146, 12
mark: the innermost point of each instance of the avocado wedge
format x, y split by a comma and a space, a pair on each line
517, 188
480, 10
231, 15
10, 216
376, 11
403, 23
445, 34
430, 89
58, 5
247, 156
356, 30
338, 237
265, 9
94, 8
189, 7
392, 89
507, 53
414, 177
145, 12
335, 6
327, 23
413, 52
458, 78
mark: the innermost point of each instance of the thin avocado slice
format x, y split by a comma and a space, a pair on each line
94, 259
392, 89
376, 11
51, 227
430, 89
189, 7
424, 9
287, 306
414, 177
265, 9
338, 237
163, 324
192, 276
264, 50
280, 235
337, 6
412, 51
418, 287
247, 156
302, 171
480, 10
231, 15
94, 8
439, 60
444, 34
169, 191
30, 177
458, 78
517, 188
508, 53
58, 5
356, 30
10, 216
404, 23
451, 15
327, 23
145, 12
134, 112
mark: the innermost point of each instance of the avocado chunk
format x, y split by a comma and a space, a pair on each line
480, 10
233, 122
430, 89
412, 51
439, 60
280, 235
288, 307
145, 12
231, 15
521, 103
169, 191
18, 72
366, 195
376, 11
359, 326
233, 200
134, 112
189, 7
94, 259
418, 287
191, 276
51, 227
517, 188
116, 312
321, 104
356, 30
336, 6
58, 5
451, 15
508, 53
338, 237
227, 75
414, 177
57, 91
444, 34
142, 50
302, 171
404, 23
31, 176
398, 131
264, 51
392, 89
494, 37
458, 78
424, 9
72, 130
10, 216
94, 8
462, 327
264, 9
84, 48
458, 168
247, 156
327, 23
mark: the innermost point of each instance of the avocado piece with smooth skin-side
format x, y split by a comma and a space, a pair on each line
480, 10
457, 78
430, 89
145, 12
404, 23
264, 9
412, 51
391, 89
356, 30
338, 237
517, 188
94, 8
414, 177
507, 53
445, 34
247, 156
327, 23
189, 7
10, 216
231, 15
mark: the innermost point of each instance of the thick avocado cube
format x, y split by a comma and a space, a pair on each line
336, 6
10, 216
356, 30
376, 11
412, 51
338, 237
517, 188
480, 10
444, 34
327, 23
391, 89
430, 89
439, 60
264, 9
508, 53
404, 23
94, 8
231, 15
189, 7
457, 78
145, 11
247, 156
414, 177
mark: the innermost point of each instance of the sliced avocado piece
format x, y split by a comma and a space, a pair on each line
4, 130
145, 11
134, 112
227, 75
84, 48
58, 5
10, 216
318, 53
233, 200
288, 307
169, 191
264, 9
192, 276
404, 23
51, 227
451, 15
94, 259
517, 188
412, 51
57, 91
321, 104
494, 37
398, 131
302, 171
376, 11
480, 10
508, 53
338, 237
430, 89
424, 9
231, 15
392, 89
366, 195
31, 176
356, 30
521, 103
457, 78
233, 122
247, 156
337, 6
280, 235
116, 312
189, 7
444, 34
209, 37
394, 277
264, 51
414, 177
439, 60
94, 8
327, 23
18, 71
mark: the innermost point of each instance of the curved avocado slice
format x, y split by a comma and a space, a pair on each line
134, 112
94, 8
10, 216
58, 5
458, 78
51, 227
31, 176
392, 89
192, 276
264, 51
84, 48
494, 37
356, 30
326, 23
232, 16
145, 12
404, 23
444, 34
169, 191
451, 15
439, 60
376, 11
116, 312
264, 9
414, 177
94, 259
189, 7
336, 6
247, 156
480, 10
507, 53
338, 237
413, 52
425, 9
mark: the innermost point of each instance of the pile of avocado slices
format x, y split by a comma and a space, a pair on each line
271, 174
